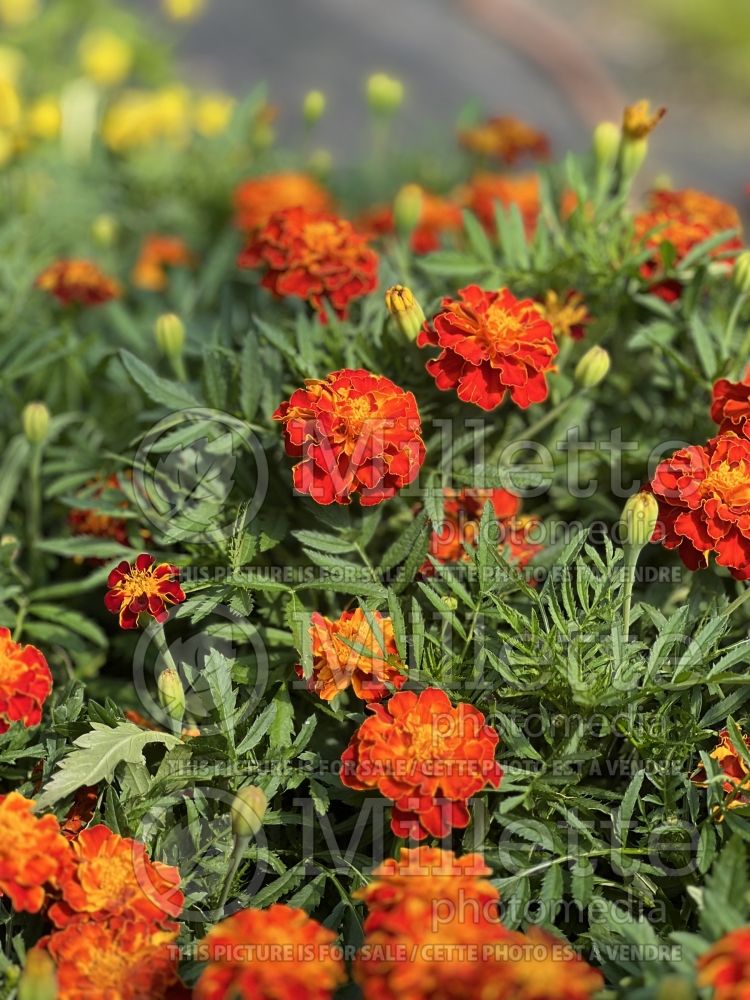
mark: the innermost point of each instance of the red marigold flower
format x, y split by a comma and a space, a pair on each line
462, 512
354, 433
484, 191
142, 588
568, 314
274, 954
314, 256
78, 282
506, 138
34, 855
114, 877
726, 966
426, 755
704, 504
157, 254
438, 217
256, 199
25, 683
125, 959
350, 653
491, 343
732, 766
85, 521
730, 405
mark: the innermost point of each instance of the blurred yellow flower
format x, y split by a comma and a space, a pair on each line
183, 10
16, 13
11, 64
10, 105
43, 118
141, 117
105, 58
212, 113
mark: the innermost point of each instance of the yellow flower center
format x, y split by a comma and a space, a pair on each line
500, 327
728, 483
321, 238
139, 583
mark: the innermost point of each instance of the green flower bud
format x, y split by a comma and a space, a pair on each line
384, 94
639, 517
450, 603
632, 156
606, 144
38, 980
405, 310
407, 208
248, 809
171, 693
741, 273
35, 422
170, 334
313, 106
592, 368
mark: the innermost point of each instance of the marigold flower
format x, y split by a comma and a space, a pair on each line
142, 588
274, 954
105, 57
704, 503
505, 138
114, 877
126, 959
485, 191
257, 199
428, 756
438, 217
638, 120
354, 433
85, 521
462, 512
25, 683
78, 282
544, 967
517, 540
350, 653
34, 855
491, 343
314, 256
405, 310
730, 406
157, 254
733, 767
568, 315
726, 966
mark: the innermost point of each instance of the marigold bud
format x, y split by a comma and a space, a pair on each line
407, 208
104, 230
170, 334
606, 144
450, 603
171, 693
638, 120
405, 309
248, 809
639, 517
38, 981
593, 367
741, 273
632, 156
313, 106
384, 93
35, 422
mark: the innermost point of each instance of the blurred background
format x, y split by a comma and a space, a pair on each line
562, 65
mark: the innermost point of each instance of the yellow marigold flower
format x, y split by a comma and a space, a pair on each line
212, 113
43, 118
638, 120
140, 118
105, 58
183, 10
16, 13
10, 105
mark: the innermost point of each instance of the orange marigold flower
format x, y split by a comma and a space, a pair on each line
485, 191
78, 282
156, 255
34, 855
638, 119
540, 966
114, 877
726, 966
704, 504
25, 683
428, 756
350, 653
506, 138
85, 521
462, 512
438, 217
491, 343
568, 314
274, 954
732, 766
256, 199
125, 959
313, 256
517, 540
142, 588
355, 434
730, 405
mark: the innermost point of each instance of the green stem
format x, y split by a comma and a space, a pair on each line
240, 845
732, 322
34, 508
161, 643
547, 419
736, 603
178, 367
631, 558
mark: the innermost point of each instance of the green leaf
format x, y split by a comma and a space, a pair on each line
161, 390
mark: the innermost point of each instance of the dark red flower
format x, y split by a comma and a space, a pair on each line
142, 588
78, 282
506, 138
730, 405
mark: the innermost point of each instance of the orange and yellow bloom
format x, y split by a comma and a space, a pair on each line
274, 954
142, 588
462, 512
725, 967
314, 256
730, 406
25, 683
354, 433
85, 521
505, 138
734, 768
426, 755
257, 199
158, 253
491, 343
34, 856
485, 191
78, 282
567, 314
